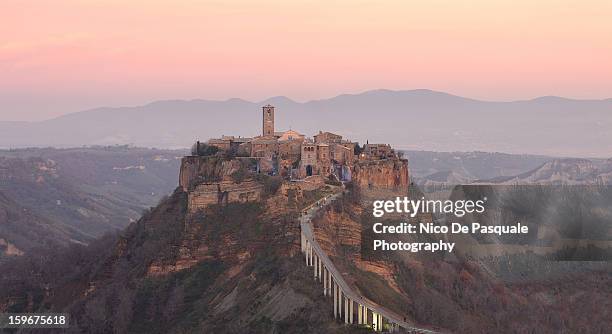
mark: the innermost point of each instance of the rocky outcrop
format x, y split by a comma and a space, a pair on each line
9, 249
214, 180
195, 170
380, 178
223, 192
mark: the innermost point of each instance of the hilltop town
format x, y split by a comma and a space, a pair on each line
295, 156
222, 170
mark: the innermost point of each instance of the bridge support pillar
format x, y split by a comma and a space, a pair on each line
346, 310
335, 301
375, 322
339, 302
324, 281
351, 311
375, 325
330, 282
320, 267
314, 267
310, 254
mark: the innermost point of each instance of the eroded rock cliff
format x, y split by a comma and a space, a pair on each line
380, 178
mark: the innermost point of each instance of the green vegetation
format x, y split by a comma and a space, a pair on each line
239, 175
204, 150
310, 196
375, 287
271, 183
230, 154
358, 149
241, 220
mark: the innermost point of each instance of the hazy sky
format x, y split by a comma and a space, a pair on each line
59, 56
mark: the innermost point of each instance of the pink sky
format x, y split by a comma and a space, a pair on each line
60, 56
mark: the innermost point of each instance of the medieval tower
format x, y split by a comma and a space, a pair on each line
268, 120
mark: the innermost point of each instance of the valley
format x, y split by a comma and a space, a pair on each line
55, 197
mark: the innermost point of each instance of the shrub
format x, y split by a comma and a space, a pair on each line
358, 149
239, 175
272, 184
203, 150
333, 182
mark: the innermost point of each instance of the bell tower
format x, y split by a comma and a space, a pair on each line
268, 120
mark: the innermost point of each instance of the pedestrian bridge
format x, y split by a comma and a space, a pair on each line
348, 305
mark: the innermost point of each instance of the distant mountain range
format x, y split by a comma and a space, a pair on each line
411, 120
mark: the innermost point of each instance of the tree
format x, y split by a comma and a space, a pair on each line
203, 150
358, 149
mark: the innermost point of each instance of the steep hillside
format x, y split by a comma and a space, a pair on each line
25, 231
232, 264
230, 269
499, 294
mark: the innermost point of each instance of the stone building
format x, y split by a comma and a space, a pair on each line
378, 151
290, 145
264, 146
228, 142
292, 154
324, 159
268, 121
220, 143
327, 137
308, 159
343, 154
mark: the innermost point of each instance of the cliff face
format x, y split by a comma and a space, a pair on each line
195, 170
223, 192
212, 180
379, 178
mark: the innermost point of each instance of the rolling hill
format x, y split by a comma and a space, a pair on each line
54, 197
